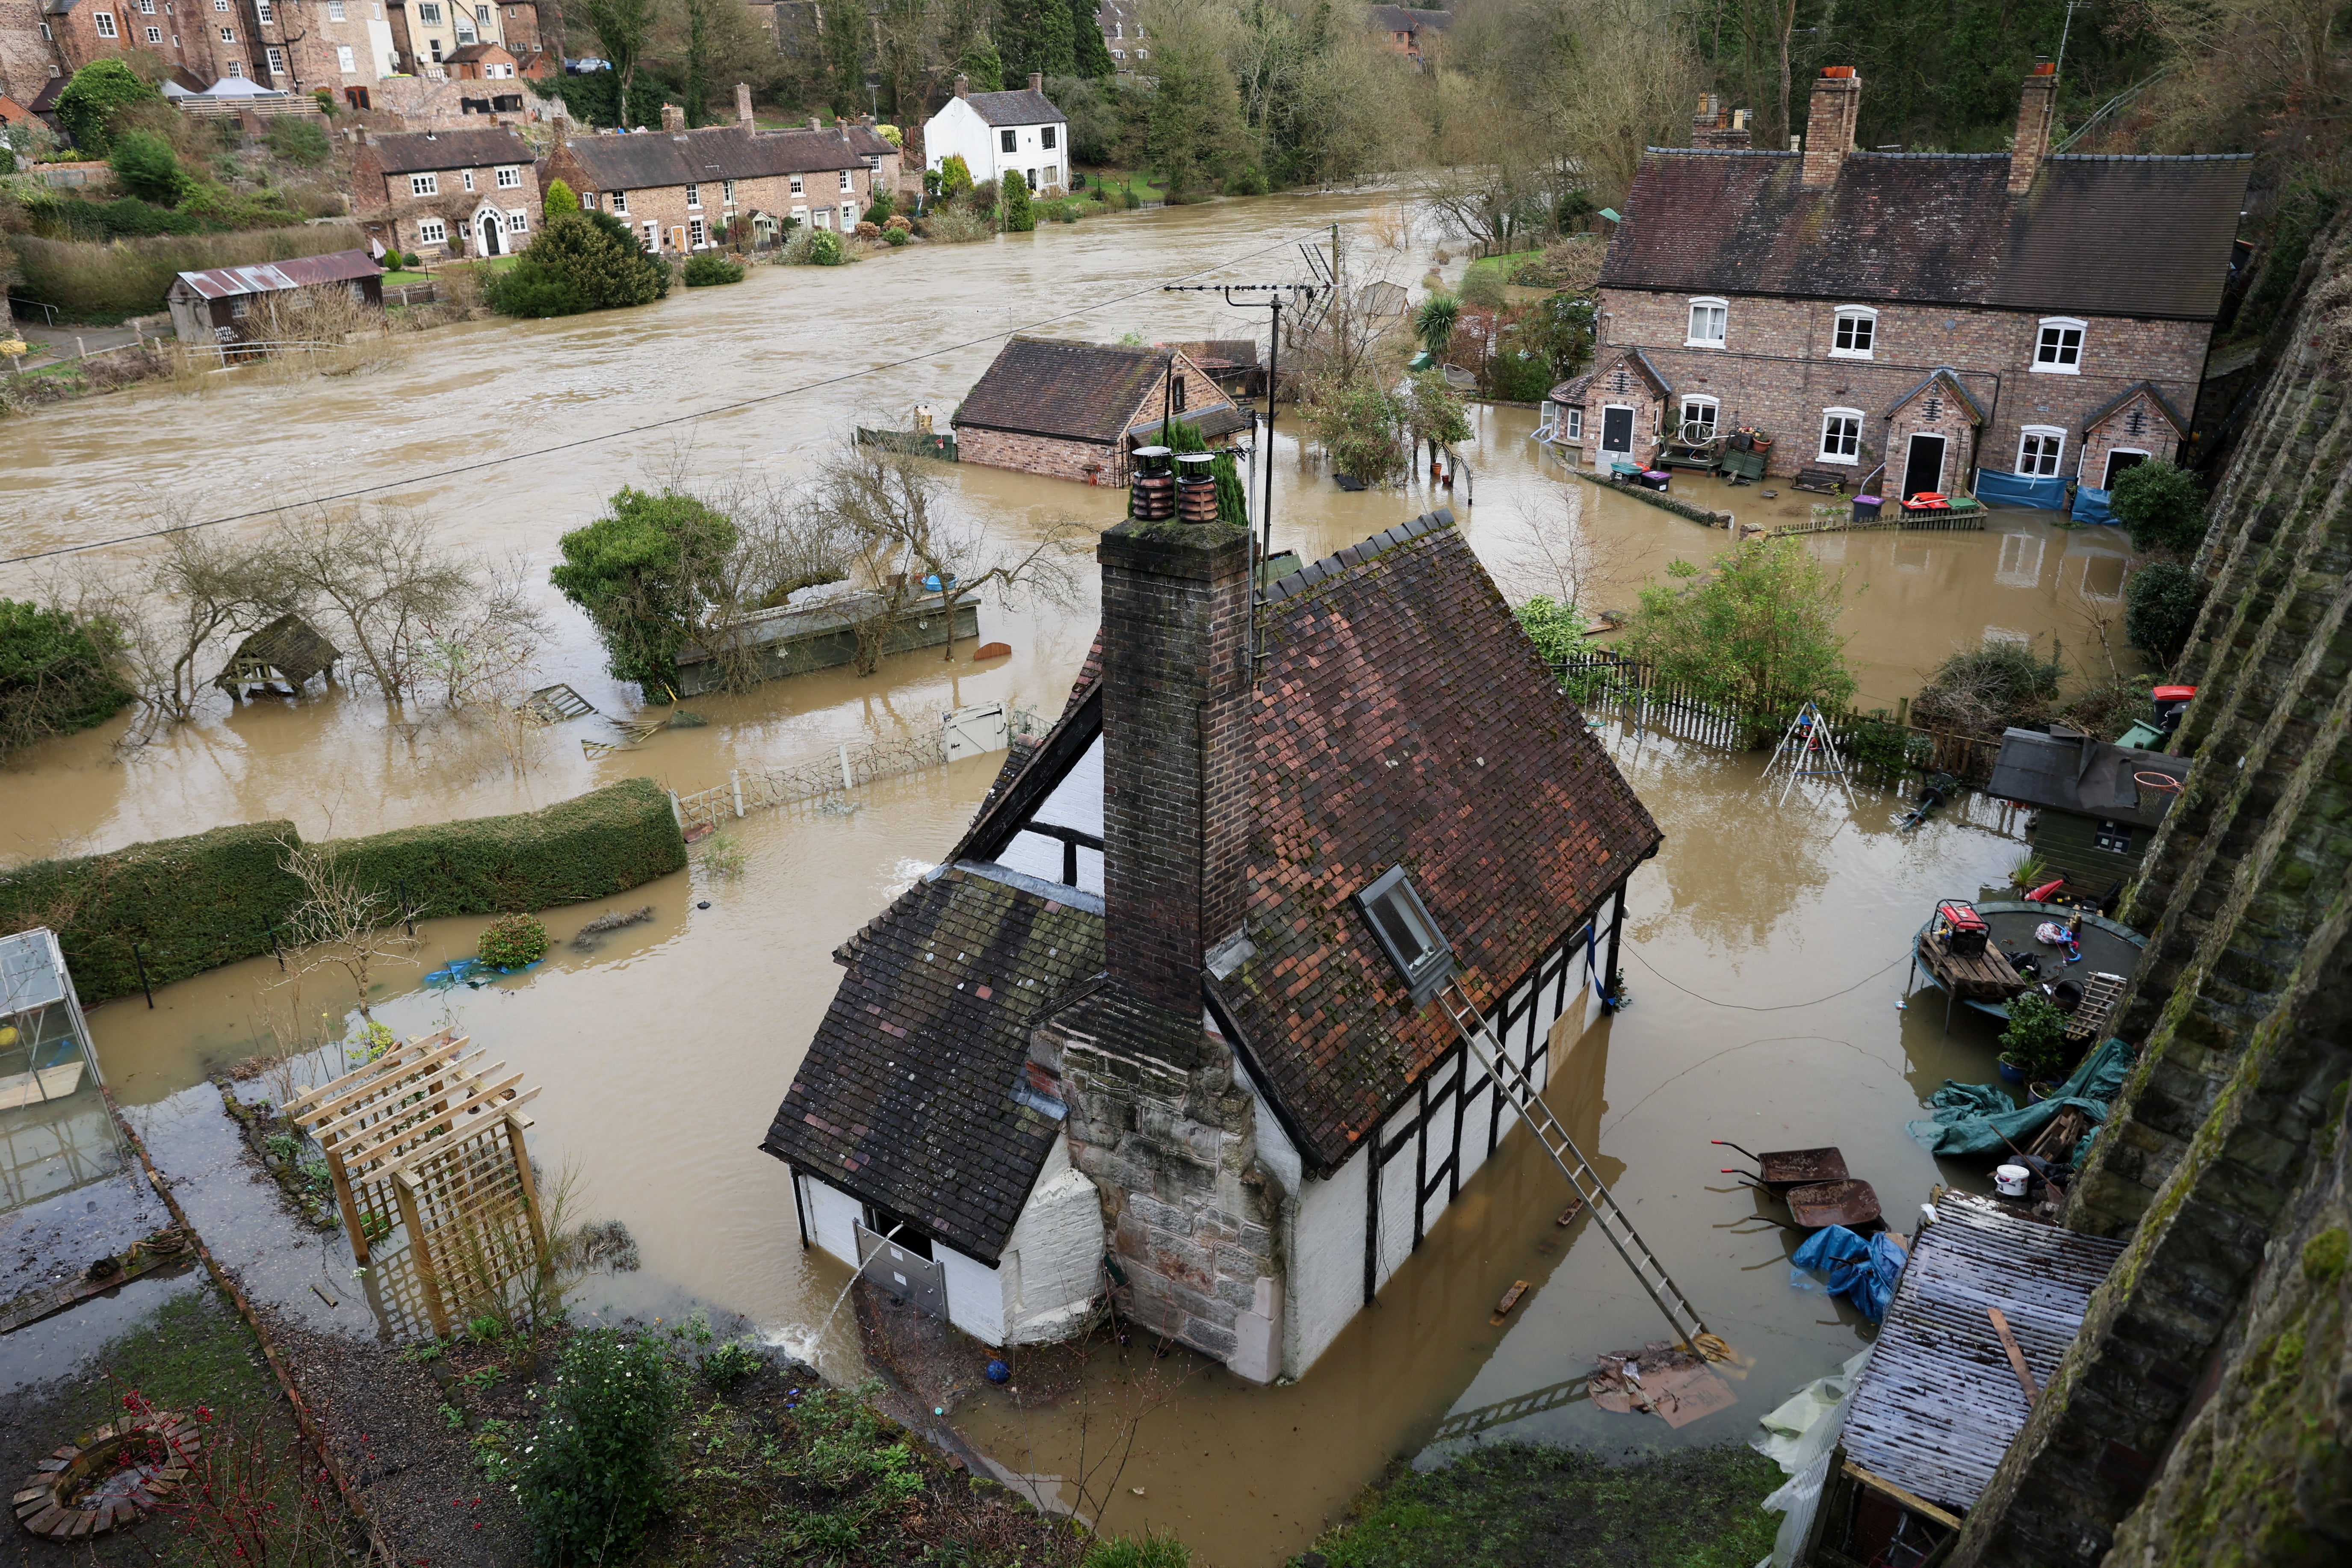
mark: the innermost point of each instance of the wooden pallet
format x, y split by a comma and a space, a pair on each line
554, 704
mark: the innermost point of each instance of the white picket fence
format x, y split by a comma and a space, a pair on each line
849, 767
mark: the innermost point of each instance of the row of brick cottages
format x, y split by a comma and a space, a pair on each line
446, 193
1990, 323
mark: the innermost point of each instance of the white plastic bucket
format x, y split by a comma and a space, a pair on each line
2011, 1180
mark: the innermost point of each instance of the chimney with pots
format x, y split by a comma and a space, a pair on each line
743, 105
672, 117
1716, 126
2034, 112
964, 85
1175, 616
1829, 126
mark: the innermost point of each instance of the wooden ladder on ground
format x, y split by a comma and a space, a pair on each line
1513, 1084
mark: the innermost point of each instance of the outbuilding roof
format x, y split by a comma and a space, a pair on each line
917, 1094
1019, 106
473, 52
424, 152
2133, 236
2163, 406
270, 277
2068, 771
1069, 391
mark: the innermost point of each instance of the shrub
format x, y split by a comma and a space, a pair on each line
825, 248
1760, 631
955, 176
91, 98
560, 198
1982, 692
1482, 286
884, 209
1555, 629
2160, 506
2160, 608
1248, 183
99, 283
706, 268
1018, 216
867, 230
579, 261
643, 573
597, 1473
894, 238
145, 165
55, 675
412, 261
1149, 1549
1517, 375
2035, 1040
729, 1365
301, 141
513, 941
954, 225
900, 223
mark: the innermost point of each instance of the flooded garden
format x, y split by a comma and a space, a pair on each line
1765, 954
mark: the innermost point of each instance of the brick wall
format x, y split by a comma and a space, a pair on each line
1619, 382
1775, 370
1037, 455
1934, 411
665, 205
386, 210
26, 60
2139, 426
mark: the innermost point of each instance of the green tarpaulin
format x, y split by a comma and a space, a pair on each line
1982, 1119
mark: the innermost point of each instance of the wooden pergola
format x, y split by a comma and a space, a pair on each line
428, 1139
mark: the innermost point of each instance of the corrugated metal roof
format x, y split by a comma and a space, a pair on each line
270, 277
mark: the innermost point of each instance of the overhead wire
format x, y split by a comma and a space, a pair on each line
1776, 1007
476, 466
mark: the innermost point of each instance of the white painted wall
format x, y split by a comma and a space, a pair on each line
958, 128
1076, 802
1326, 1265
1052, 1259
833, 1218
975, 1294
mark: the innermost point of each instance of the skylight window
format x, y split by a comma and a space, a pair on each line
1407, 934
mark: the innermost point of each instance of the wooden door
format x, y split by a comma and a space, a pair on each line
1923, 467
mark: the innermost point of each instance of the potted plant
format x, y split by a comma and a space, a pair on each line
2033, 1046
2030, 872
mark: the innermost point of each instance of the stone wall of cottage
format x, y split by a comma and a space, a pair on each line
1192, 1214
1775, 370
1038, 454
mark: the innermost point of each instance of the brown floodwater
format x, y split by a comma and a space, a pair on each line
1764, 951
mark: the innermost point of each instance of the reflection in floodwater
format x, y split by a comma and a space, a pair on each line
1764, 958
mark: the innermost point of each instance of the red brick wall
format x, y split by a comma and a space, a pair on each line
1035, 455
2139, 426
666, 205
1775, 371
1935, 412
1618, 382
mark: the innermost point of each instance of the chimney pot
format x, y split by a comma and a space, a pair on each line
673, 117
1829, 126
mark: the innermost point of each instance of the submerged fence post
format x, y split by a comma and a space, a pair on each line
735, 783
142, 977
280, 951
407, 913
846, 781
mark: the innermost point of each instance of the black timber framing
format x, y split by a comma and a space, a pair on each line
1060, 751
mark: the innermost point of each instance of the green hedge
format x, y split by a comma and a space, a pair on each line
193, 904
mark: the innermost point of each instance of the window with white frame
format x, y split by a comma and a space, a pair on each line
1698, 418
1856, 333
694, 196
235, 68
345, 61
229, 36
154, 35
466, 30
2059, 349
261, 12
2039, 449
1708, 320
482, 14
1045, 138
727, 192
335, 11
1841, 436
847, 182
694, 232
277, 60
424, 184
620, 203
518, 220
104, 22
509, 176
468, 175
146, 7
432, 231
429, 12
796, 186
1141, 54
1575, 422
653, 237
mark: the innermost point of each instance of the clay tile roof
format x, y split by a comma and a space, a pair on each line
472, 52
2140, 236
416, 152
1020, 107
1074, 392
1404, 718
915, 1095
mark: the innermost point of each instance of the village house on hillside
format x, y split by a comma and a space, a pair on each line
1418, 35
1120, 22
1902, 320
1169, 997
446, 193
1075, 410
682, 189
999, 132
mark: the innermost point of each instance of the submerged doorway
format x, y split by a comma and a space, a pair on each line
1923, 467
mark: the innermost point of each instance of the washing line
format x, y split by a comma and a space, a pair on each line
1776, 1007
409, 480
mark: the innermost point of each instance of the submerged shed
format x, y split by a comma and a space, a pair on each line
287, 652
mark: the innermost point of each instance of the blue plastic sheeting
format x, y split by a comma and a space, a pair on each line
1982, 1119
2020, 490
1864, 1272
2091, 506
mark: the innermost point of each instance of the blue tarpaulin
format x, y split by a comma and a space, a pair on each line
2091, 506
1864, 1272
2020, 490
1980, 1118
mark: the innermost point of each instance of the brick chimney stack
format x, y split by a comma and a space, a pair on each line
672, 117
2035, 111
964, 85
1175, 617
743, 105
1716, 126
1829, 126
1036, 81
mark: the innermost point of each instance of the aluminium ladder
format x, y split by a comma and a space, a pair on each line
1514, 1086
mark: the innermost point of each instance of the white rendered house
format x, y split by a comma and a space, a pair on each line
996, 131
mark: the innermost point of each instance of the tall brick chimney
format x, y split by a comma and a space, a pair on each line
2035, 111
1036, 81
964, 85
1175, 617
672, 117
1829, 125
743, 105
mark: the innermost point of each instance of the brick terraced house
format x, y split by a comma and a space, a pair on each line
1075, 410
1169, 997
447, 192
1907, 319
680, 189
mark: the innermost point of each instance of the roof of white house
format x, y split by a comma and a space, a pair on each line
1023, 107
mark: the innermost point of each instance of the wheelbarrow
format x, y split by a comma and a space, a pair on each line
1823, 1204
1784, 1168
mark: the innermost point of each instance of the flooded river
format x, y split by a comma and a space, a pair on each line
1765, 954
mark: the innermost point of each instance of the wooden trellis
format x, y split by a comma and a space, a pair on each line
428, 1139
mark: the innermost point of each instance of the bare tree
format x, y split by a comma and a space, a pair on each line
1565, 560
340, 924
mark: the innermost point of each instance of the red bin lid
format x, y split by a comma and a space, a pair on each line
2174, 693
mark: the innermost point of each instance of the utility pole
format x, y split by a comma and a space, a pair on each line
2063, 33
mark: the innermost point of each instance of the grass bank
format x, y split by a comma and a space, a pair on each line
103, 283
1511, 1504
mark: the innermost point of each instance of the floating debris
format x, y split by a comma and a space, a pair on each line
1510, 1299
554, 704
618, 920
1661, 1379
